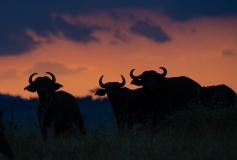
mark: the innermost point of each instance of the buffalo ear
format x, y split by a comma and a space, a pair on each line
30, 88
136, 82
100, 92
56, 86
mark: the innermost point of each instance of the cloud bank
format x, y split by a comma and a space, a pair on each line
18, 16
54, 67
153, 32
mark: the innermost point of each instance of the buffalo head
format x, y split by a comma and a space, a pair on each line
109, 88
43, 85
148, 79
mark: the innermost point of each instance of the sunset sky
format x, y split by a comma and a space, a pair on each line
79, 41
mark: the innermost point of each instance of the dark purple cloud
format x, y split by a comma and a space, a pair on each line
54, 67
17, 16
228, 53
8, 74
122, 37
79, 33
186, 9
15, 42
150, 31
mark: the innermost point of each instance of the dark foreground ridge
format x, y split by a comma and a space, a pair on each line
98, 111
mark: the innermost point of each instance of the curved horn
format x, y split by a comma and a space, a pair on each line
134, 77
53, 77
164, 71
30, 78
123, 82
101, 83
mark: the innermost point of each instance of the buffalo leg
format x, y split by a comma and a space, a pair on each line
57, 128
44, 133
130, 127
61, 127
154, 120
120, 125
80, 125
43, 125
66, 127
130, 124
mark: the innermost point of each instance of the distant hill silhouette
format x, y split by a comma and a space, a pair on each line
96, 113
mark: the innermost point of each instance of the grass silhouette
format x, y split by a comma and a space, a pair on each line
194, 134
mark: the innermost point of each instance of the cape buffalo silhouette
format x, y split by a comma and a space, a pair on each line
57, 109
